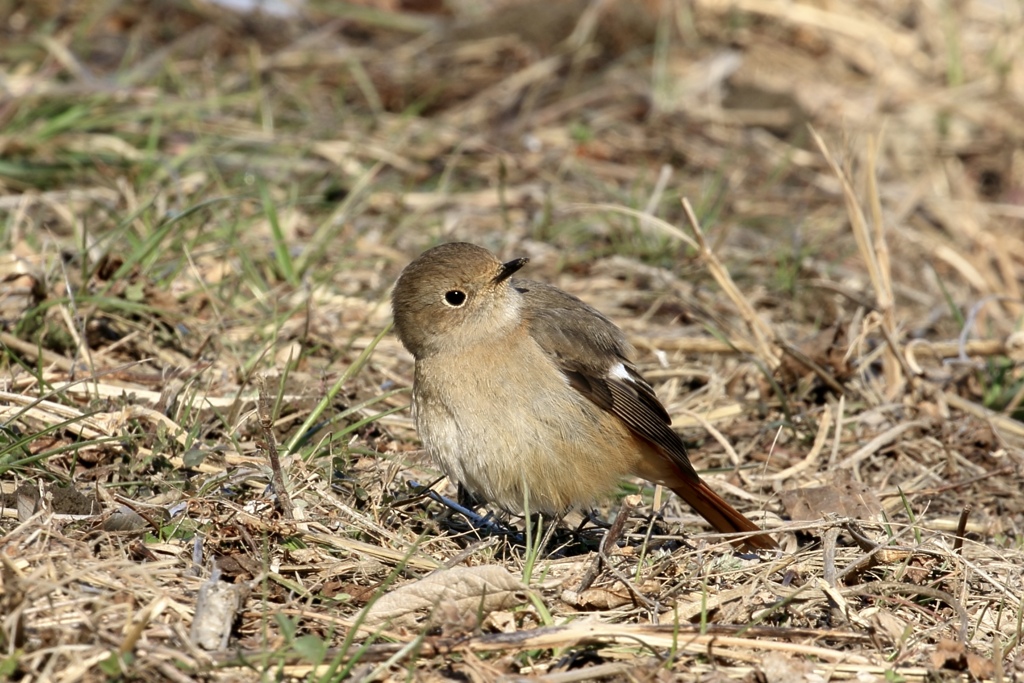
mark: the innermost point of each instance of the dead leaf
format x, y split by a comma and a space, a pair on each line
827, 349
844, 496
885, 622
603, 598
501, 621
952, 655
473, 592
217, 609
778, 667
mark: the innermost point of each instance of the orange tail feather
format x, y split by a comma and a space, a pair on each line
722, 516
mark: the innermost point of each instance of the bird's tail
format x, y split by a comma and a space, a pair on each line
723, 517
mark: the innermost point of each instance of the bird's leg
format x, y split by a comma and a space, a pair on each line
483, 523
466, 498
591, 518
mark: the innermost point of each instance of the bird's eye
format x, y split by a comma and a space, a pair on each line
455, 298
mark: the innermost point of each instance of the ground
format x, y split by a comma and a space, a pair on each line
806, 216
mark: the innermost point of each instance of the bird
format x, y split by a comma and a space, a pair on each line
530, 398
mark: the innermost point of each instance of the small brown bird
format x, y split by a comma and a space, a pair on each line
522, 389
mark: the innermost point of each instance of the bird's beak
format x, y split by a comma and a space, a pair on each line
507, 269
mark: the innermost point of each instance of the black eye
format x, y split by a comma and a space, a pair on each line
455, 297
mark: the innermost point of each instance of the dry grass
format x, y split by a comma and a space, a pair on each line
202, 214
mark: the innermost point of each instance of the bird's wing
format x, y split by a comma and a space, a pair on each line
599, 365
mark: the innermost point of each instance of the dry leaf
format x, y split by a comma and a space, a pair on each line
501, 622
952, 655
781, 668
885, 622
216, 610
603, 598
471, 592
845, 497
828, 349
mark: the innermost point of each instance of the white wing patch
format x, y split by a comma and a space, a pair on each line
619, 371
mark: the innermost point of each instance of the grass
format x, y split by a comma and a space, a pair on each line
201, 215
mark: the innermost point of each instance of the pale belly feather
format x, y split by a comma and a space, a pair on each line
505, 433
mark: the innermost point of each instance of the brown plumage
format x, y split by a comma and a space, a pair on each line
522, 389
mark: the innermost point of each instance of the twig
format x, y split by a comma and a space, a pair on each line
758, 328
610, 537
265, 413
912, 589
961, 528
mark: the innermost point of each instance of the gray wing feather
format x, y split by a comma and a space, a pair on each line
556, 319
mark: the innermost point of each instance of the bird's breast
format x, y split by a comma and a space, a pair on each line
504, 422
